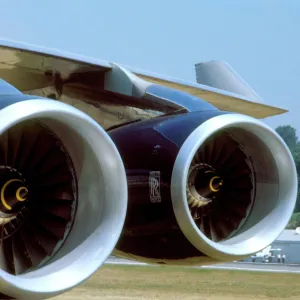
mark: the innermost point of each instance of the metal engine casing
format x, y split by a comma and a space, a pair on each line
157, 155
102, 198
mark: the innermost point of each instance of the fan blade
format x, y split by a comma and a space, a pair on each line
38, 196
21, 256
34, 247
53, 224
45, 238
224, 177
6, 256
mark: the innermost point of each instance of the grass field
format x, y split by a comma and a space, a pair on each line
136, 282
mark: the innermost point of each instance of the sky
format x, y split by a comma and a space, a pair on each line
260, 39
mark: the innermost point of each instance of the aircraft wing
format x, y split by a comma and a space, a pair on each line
188, 182
29, 67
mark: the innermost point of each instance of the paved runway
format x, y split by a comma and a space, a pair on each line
258, 267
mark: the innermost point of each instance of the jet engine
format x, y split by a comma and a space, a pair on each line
204, 187
197, 188
192, 185
63, 197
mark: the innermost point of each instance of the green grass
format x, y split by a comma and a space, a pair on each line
140, 282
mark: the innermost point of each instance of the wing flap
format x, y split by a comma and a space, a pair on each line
221, 99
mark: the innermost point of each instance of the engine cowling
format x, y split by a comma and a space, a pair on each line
63, 197
204, 187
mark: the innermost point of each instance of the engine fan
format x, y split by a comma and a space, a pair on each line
38, 196
61, 214
233, 187
221, 187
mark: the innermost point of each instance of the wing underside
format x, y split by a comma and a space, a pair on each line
88, 83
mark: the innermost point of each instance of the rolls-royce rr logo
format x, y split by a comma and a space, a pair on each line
154, 186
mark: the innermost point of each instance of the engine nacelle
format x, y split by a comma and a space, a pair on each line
63, 197
204, 187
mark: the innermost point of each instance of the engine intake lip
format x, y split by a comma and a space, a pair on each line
265, 222
87, 246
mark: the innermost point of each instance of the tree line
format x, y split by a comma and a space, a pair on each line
289, 135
